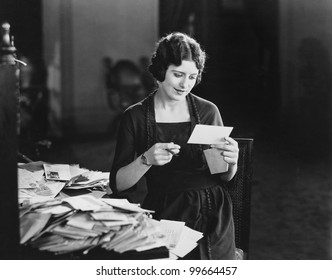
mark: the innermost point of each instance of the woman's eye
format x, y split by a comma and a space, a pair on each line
178, 75
192, 77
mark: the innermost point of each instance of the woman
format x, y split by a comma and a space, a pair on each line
180, 185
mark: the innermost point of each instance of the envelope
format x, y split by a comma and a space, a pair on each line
209, 134
215, 161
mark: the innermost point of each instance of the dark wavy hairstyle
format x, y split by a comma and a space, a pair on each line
172, 49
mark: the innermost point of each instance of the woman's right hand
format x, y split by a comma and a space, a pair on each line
161, 153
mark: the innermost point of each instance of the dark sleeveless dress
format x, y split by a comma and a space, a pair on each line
184, 189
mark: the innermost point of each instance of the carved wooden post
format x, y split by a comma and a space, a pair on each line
9, 230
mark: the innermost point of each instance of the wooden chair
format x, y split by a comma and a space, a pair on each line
239, 189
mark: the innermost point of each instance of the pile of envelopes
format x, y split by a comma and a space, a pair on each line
55, 222
84, 222
81, 223
39, 181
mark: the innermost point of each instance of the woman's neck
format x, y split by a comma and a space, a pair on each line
170, 111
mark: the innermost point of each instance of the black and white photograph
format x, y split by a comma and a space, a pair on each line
184, 131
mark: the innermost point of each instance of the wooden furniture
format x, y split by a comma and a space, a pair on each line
239, 189
9, 232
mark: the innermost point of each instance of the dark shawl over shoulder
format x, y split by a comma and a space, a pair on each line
133, 130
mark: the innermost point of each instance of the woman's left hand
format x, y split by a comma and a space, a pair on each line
229, 150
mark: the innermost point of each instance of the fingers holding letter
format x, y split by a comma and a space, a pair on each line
229, 150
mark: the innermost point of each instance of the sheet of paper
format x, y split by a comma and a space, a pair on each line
75, 170
125, 205
73, 232
209, 134
109, 216
26, 179
81, 220
215, 161
31, 224
124, 233
84, 202
43, 192
32, 166
57, 172
89, 177
184, 247
97, 194
187, 242
55, 210
151, 245
172, 230
112, 224
71, 246
130, 243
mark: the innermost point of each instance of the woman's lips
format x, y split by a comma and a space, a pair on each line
180, 91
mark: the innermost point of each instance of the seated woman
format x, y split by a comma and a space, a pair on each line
152, 142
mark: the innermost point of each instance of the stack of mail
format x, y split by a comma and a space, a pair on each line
32, 185
88, 180
40, 181
80, 223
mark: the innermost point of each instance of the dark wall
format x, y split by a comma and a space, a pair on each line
241, 41
25, 19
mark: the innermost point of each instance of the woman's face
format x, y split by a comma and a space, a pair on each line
179, 80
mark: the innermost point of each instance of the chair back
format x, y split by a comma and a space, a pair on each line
239, 189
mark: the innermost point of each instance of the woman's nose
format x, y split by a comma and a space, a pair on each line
184, 83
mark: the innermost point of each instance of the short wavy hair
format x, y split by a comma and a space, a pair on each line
173, 49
